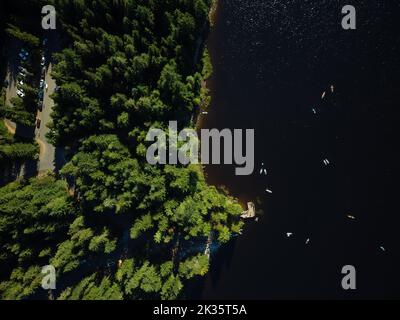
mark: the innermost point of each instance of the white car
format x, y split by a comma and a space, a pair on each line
20, 93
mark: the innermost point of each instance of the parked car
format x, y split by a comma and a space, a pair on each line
40, 105
22, 69
41, 95
38, 121
20, 93
23, 54
42, 83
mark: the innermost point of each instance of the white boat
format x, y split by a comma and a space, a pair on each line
263, 170
269, 191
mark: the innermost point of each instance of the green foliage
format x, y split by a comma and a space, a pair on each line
18, 151
84, 242
109, 179
137, 281
194, 266
25, 37
34, 217
128, 66
91, 288
22, 283
5, 136
171, 288
14, 149
207, 65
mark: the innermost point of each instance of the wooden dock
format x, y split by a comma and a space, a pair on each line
250, 212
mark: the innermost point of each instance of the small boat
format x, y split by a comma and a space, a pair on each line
263, 170
308, 241
314, 111
351, 217
289, 234
269, 191
332, 88
204, 112
382, 248
323, 95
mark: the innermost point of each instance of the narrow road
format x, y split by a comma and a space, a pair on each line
47, 150
12, 87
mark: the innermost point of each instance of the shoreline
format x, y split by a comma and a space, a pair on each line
207, 85
213, 12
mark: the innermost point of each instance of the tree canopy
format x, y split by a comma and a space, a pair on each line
123, 226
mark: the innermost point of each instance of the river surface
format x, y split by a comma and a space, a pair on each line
272, 60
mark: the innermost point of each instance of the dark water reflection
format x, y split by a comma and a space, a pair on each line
273, 60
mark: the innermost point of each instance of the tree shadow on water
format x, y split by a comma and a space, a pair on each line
220, 259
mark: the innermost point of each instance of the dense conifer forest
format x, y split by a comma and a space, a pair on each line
112, 225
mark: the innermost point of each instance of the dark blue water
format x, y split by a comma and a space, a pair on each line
272, 61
